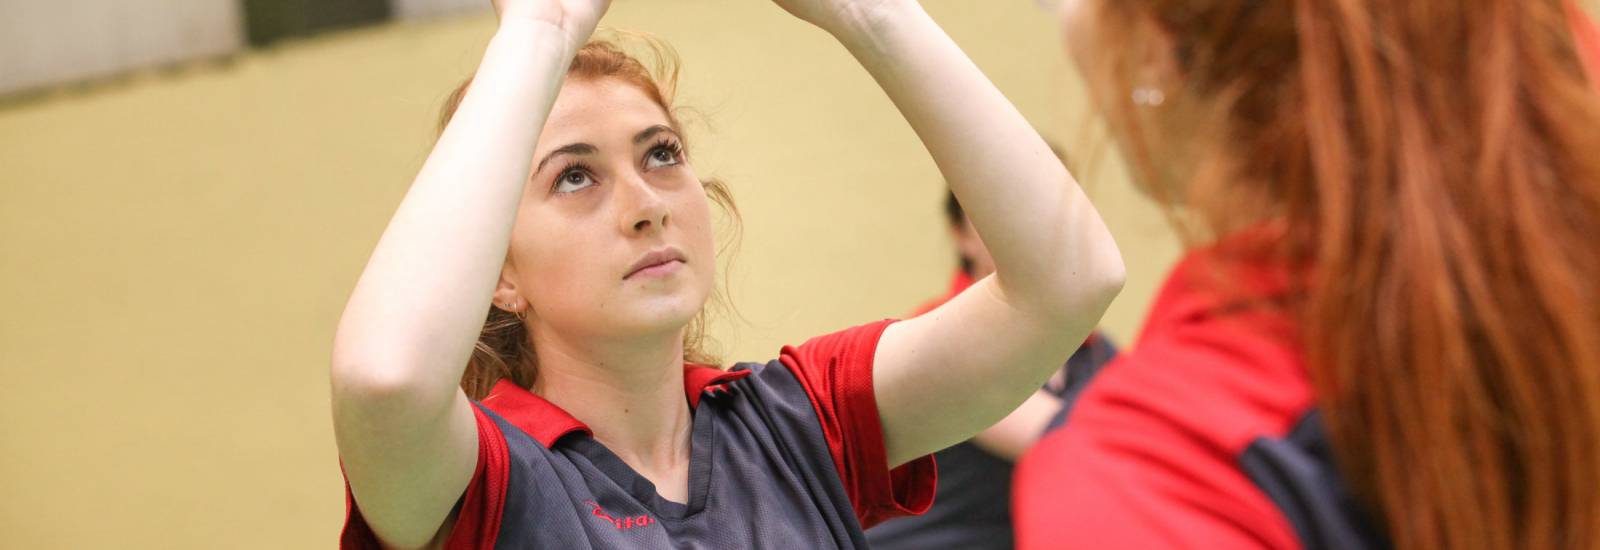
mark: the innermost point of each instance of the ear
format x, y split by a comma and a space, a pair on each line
506, 296
1156, 58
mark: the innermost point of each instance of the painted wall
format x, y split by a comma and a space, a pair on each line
177, 247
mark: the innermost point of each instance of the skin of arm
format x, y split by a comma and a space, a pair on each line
946, 375
1012, 435
406, 432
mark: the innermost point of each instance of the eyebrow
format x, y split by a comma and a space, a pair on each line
587, 149
651, 132
569, 149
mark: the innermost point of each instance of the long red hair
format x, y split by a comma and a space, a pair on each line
1433, 167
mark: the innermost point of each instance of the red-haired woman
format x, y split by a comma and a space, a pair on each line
1392, 337
515, 367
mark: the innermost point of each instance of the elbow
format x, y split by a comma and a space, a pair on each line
360, 379
1105, 277
1109, 282
379, 386
1083, 292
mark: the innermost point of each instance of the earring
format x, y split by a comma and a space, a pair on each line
511, 307
1148, 96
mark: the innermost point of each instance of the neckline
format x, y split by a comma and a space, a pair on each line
548, 423
702, 444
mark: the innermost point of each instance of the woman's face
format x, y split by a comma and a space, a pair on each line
613, 236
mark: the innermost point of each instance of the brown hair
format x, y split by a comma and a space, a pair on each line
504, 349
1433, 168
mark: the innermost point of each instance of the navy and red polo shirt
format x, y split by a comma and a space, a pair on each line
1203, 435
787, 454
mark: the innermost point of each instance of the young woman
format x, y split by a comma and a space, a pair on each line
1391, 338
559, 205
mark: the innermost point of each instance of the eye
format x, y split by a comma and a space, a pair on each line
664, 154
576, 178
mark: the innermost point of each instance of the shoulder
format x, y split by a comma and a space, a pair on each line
831, 373
819, 396
1226, 380
1150, 456
852, 345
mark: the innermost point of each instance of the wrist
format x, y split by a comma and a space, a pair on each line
535, 35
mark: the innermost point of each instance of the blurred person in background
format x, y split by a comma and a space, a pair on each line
518, 365
1387, 330
972, 505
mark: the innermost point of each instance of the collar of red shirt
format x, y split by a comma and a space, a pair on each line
548, 423
1230, 277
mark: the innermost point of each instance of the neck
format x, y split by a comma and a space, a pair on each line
628, 391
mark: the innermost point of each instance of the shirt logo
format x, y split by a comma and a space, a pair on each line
624, 524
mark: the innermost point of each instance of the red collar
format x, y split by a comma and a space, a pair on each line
1227, 278
548, 423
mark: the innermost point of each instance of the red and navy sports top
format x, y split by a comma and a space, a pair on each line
1203, 435
787, 454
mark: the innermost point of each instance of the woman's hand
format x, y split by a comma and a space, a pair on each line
575, 19
841, 17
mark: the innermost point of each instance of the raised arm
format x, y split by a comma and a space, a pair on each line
945, 375
406, 433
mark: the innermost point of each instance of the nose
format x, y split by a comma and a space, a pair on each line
644, 210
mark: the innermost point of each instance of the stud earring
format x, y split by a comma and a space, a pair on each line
1148, 96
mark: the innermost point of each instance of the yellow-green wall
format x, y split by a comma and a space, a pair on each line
177, 246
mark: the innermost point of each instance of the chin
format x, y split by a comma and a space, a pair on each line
661, 313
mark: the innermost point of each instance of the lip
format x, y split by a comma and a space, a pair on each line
663, 260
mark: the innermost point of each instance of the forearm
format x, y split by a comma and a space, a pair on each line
1014, 434
418, 307
1050, 247
1056, 266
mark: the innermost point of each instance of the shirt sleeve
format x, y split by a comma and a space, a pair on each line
477, 514
836, 372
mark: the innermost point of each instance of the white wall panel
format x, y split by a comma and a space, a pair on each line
49, 42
